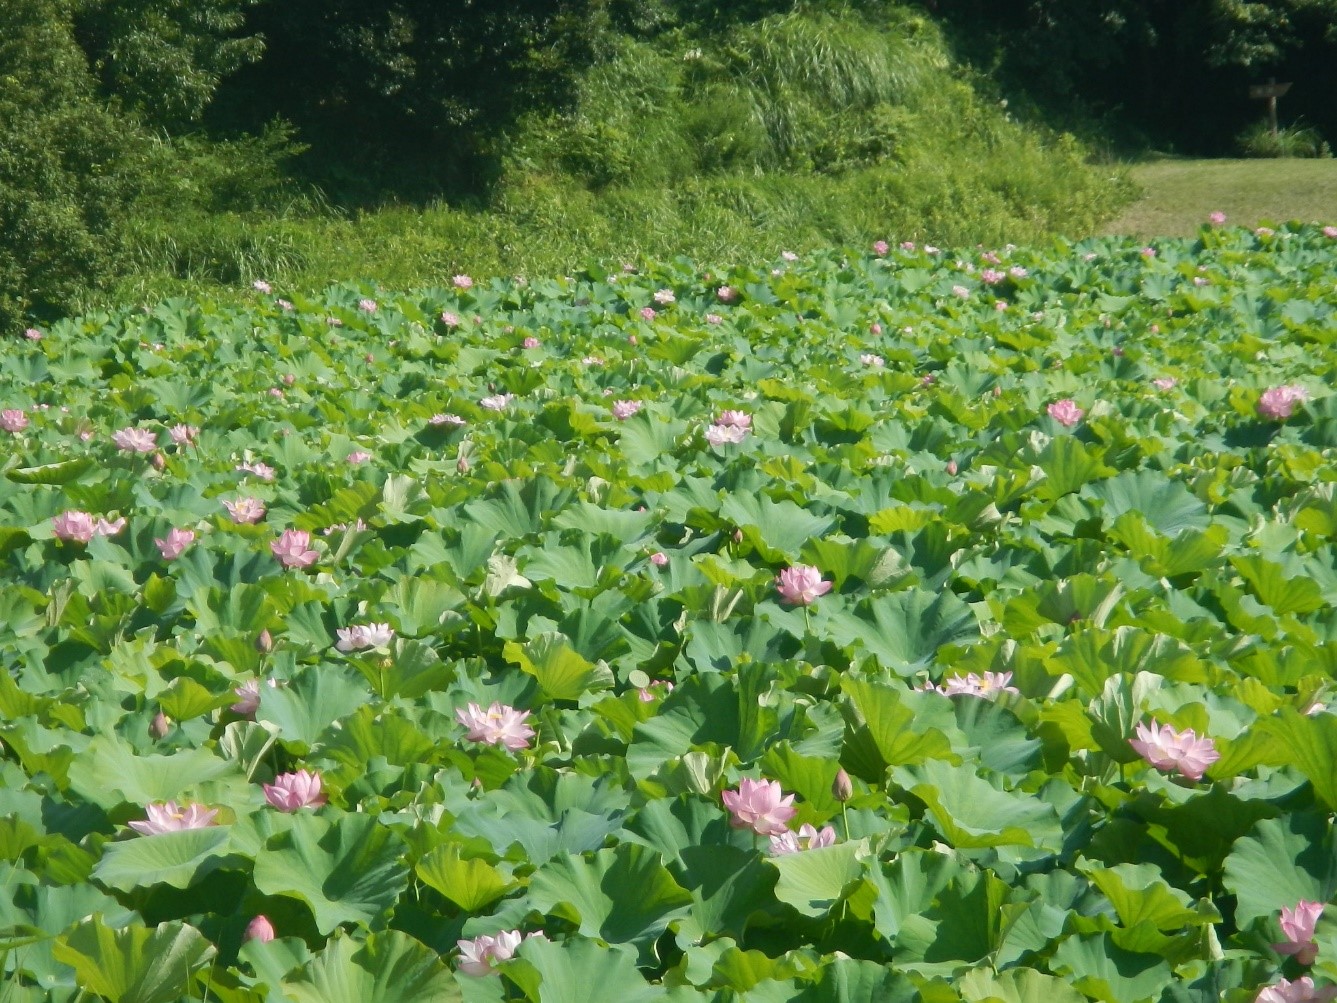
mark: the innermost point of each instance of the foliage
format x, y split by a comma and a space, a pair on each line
470, 486
1289, 141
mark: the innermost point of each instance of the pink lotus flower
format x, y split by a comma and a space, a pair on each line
285, 305
1164, 382
292, 791
1017, 272
758, 805
659, 558
869, 359
807, 838
789, 255
175, 543
478, 956
1278, 403
169, 817
245, 510
248, 698
32, 334
991, 276
987, 685
1298, 925
451, 320
714, 318
261, 286
734, 419
880, 247
498, 725
801, 585
74, 525
647, 313
160, 725
1169, 750
961, 292
647, 694
531, 342
719, 435
13, 420
108, 527
591, 360
496, 402
356, 457
261, 470
726, 294
362, 636
446, 419
622, 410
1216, 218
664, 297
293, 549
1330, 231
1148, 252
1066, 412
135, 440
367, 305
261, 929
1302, 990
183, 435
462, 282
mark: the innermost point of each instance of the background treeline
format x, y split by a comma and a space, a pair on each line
152, 146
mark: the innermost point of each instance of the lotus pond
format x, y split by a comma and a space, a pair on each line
893, 625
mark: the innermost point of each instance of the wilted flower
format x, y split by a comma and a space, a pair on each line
73, 525
291, 791
183, 435
13, 420
801, 585
260, 285
622, 410
370, 635
664, 297
1169, 750
446, 419
1297, 924
789, 255
175, 543
245, 510
1066, 412
261, 470
169, 817
807, 838
498, 725
591, 360
759, 806
477, 956
462, 282
293, 549
1302, 990
135, 440
261, 929
869, 359
496, 402
1277, 403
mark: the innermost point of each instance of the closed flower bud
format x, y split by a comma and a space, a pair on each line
260, 929
159, 463
841, 788
264, 643
160, 725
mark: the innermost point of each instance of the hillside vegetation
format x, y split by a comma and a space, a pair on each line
787, 130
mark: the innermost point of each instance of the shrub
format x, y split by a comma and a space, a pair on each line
1290, 141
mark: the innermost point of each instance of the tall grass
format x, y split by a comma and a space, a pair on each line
794, 132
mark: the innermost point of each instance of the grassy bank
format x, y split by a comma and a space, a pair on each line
1178, 195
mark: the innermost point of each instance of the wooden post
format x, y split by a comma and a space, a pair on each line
1271, 91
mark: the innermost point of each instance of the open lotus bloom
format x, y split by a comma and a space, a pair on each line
760, 805
171, 817
1278, 403
293, 549
135, 440
1175, 751
1298, 925
479, 955
801, 585
807, 838
291, 791
364, 635
1302, 990
174, 544
498, 725
1066, 412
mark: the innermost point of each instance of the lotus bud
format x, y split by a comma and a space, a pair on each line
737, 536
952, 468
260, 929
159, 463
841, 788
462, 464
160, 725
264, 643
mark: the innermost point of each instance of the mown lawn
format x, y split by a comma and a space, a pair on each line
1178, 194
